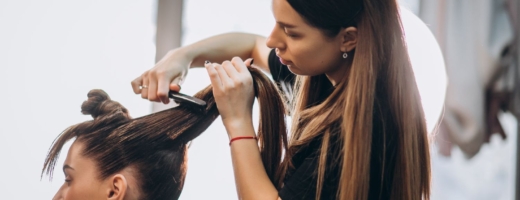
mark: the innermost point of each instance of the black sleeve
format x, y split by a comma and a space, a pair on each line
281, 75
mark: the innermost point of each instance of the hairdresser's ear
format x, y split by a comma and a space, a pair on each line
117, 187
348, 37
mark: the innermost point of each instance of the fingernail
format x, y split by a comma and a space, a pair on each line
252, 59
206, 62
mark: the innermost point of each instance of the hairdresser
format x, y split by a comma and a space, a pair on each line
358, 129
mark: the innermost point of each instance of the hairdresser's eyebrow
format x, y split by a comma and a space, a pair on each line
286, 25
67, 167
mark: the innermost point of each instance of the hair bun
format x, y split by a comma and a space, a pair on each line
99, 104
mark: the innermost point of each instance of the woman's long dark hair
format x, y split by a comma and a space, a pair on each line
156, 144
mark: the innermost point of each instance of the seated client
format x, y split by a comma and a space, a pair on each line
117, 157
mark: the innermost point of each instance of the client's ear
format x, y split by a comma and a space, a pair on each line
117, 187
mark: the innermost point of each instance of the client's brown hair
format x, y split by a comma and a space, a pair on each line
156, 144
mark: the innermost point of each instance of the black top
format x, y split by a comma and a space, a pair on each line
300, 181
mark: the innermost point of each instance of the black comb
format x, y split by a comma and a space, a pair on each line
187, 100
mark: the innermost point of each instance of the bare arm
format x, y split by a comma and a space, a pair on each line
223, 47
155, 83
251, 178
234, 95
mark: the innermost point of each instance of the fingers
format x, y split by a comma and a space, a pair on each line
136, 85
239, 65
225, 80
155, 86
175, 87
214, 77
249, 62
163, 88
233, 90
244, 76
152, 88
144, 86
230, 70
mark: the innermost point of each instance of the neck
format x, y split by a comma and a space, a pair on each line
338, 74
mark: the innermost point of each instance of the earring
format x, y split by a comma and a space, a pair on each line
345, 55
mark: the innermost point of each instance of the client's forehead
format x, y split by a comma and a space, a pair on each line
76, 159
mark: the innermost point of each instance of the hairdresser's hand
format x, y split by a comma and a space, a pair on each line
166, 75
233, 90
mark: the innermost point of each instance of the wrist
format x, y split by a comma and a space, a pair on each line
239, 127
232, 139
183, 54
192, 54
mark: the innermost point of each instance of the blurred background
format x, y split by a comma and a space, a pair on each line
464, 54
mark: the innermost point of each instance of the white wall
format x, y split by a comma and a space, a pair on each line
210, 172
412, 5
51, 54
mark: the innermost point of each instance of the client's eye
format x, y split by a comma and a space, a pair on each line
68, 180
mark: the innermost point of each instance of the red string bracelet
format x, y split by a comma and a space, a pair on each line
243, 137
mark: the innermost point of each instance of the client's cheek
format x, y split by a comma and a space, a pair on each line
79, 190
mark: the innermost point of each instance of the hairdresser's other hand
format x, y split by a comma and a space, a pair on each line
166, 75
233, 90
